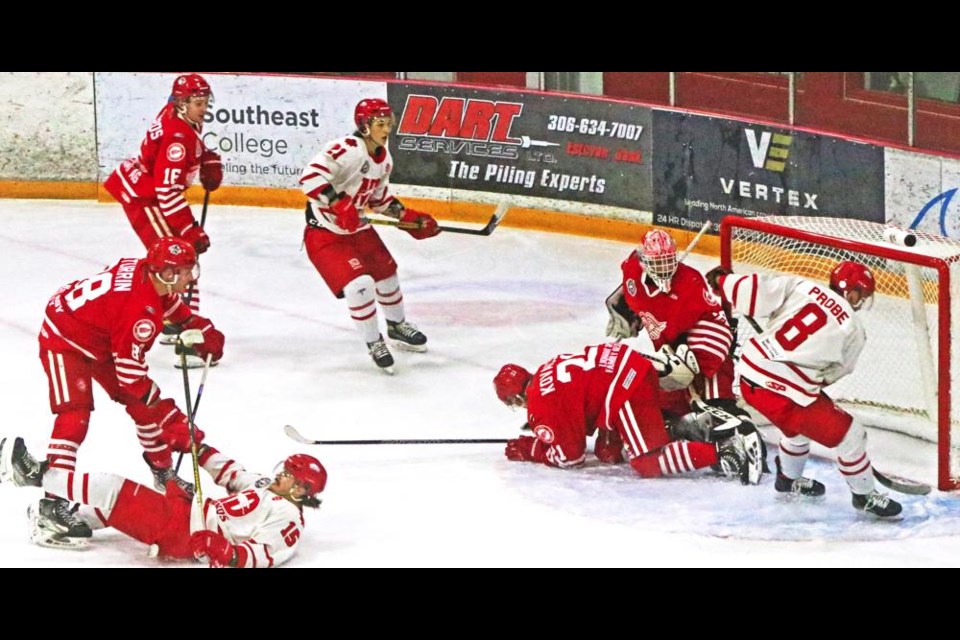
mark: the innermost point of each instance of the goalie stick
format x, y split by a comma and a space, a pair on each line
293, 433
485, 231
894, 483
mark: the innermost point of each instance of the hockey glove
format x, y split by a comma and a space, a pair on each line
525, 449
608, 447
196, 236
676, 370
623, 322
347, 216
713, 277
211, 170
176, 434
213, 547
213, 338
418, 224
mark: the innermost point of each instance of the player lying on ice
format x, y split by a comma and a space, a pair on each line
258, 525
612, 390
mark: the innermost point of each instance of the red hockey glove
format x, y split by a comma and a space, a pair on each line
608, 447
176, 434
211, 170
196, 236
213, 338
158, 413
525, 449
347, 216
426, 226
214, 547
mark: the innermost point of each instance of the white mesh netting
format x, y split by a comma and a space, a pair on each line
899, 370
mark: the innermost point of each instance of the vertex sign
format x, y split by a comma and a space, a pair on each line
707, 167
768, 150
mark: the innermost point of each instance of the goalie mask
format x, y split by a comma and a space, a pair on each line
658, 255
852, 277
511, 385
169, 257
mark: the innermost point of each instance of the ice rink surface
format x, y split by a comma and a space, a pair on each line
293, 357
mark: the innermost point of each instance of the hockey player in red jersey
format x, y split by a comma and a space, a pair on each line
611, 390
349, 175
100, 329
812, 338
151, 187
257, 526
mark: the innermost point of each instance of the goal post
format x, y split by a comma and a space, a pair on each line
908, 367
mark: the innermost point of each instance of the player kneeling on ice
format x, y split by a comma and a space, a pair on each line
258, 525
813, 338
612, 390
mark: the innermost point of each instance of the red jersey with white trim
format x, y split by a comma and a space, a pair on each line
264, 527
169, 162
346, 166
573, 393
812, 337
690, 314
113, 315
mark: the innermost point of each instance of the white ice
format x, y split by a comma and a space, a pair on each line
293, 357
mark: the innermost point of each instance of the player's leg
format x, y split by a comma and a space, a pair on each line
70, 387
343, 268
383, 267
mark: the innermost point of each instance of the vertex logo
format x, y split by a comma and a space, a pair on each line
770, 152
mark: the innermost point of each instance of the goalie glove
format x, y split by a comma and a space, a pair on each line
676, 370
623, 322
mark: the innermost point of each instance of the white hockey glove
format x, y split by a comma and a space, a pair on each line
619, 326
676, 370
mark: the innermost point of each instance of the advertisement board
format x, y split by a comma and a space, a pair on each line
518, 143
266, 128
707, 167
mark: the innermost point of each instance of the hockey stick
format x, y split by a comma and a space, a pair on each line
895, 483
193, 443
485, 231
196, 402
293, 433
203, 221
693, 243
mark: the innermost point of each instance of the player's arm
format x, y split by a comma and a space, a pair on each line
170, 181
564, 450
850, 352
129, 342
709, 340
271, 544
756, 295
226, 471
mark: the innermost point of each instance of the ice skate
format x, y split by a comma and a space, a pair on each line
406, 336
381, 355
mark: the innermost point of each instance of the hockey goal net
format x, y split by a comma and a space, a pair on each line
908, 368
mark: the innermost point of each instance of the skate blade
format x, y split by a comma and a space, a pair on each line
408, 347
797, 497
43, 538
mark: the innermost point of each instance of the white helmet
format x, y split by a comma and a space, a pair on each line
658, 254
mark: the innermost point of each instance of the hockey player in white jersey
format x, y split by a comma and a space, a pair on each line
351, 174
812, 338
257, 526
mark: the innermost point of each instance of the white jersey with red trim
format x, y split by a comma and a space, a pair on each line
347, 167
264, 527
812, 336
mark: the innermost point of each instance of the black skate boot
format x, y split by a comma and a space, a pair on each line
406, 336
381, 355
800, 487
18, 467
878, 504
161, 475
55, 524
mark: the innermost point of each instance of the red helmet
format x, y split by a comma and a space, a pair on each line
308, 471
368, 109
658, 254
190, 85
511, 382
171, 252
853, 276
